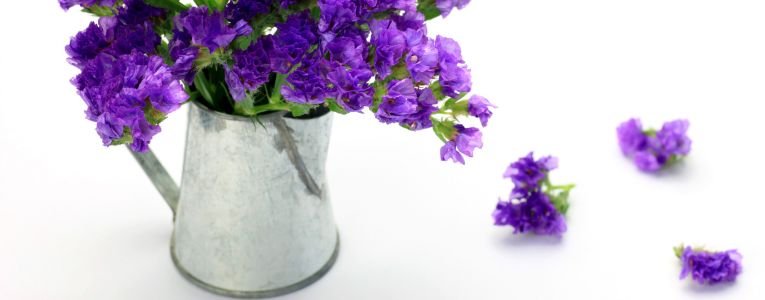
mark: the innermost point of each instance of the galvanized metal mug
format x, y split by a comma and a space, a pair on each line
252, 215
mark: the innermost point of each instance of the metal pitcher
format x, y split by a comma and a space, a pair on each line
252, 215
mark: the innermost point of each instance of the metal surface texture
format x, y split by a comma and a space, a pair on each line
253, 218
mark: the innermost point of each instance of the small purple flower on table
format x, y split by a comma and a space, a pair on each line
535, 205
709, 268
653, 150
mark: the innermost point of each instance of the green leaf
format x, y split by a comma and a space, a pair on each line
276, 93
245, 107
99, 11
679, 250
203, 86
242, 42
164, 51
333, 106
127, 137
173, 5
438, 91
316, 13
459, 108
400, 71
444, 129
429, 9
560, 201
380, 91
298, 110
153, 116
204, 58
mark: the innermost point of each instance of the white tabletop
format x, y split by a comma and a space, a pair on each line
78, 221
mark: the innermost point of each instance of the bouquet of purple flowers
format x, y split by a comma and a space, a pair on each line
143, 59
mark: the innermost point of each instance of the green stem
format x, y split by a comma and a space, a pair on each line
276, 93
269, 107
550, 187
567, 187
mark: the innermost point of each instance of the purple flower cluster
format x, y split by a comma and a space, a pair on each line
127, 96
346, 55
709, 267
389, 68
652, 150
532, 207
127, 87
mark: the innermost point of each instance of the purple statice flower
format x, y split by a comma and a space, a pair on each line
246, 9
648, 162
208, 29
527, 174
368, 8
336, 16
465, 141
454, 75
631, 137
349, 48
399, 103
480, 108
117, 91
86, 45
534, 205
389, 44
652, 150
250, 70
381, 5
426, 106
422, 58
292, 41
468, 139
158, 85
449, 152
531, 214
710, 267
351, 88
308, 84
112, 35
126, 37
446, 6
67, 4
138, 12
411, 19
184, 55
674, 139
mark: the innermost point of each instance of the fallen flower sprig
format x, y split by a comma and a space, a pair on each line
653, 150
709, 268
535, 205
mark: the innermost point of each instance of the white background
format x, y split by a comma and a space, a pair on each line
78, 221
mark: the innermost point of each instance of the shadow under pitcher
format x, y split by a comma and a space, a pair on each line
252, 215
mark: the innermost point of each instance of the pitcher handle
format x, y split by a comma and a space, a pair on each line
159, 177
